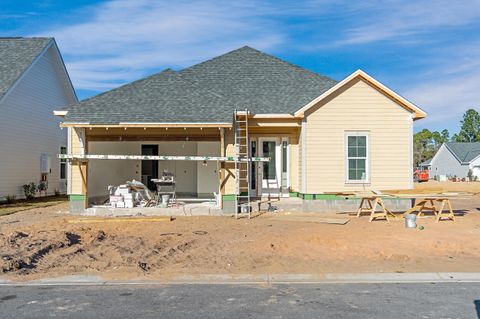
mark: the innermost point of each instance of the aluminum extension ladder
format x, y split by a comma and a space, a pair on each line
243, 206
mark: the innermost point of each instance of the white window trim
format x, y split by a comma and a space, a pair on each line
63, 163
286, 139
367, 161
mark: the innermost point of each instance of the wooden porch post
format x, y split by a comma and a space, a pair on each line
221, 186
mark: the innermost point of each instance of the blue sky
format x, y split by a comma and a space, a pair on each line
428, 51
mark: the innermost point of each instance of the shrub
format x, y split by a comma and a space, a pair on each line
10, 199
470, 174
29, 190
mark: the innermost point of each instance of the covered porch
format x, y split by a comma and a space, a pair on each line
191, 155
203, 159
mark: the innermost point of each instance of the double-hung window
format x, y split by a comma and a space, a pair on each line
357, 157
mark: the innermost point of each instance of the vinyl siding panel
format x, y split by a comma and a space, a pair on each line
77, 147
28, 127
475, 167
358, 107
445, 163
229, 182
294, 163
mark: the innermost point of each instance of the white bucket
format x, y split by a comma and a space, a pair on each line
411, 221
165, 200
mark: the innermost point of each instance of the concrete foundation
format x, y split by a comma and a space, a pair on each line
295, 204
193, 209
76, 206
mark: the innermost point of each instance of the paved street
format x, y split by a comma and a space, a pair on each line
441, 300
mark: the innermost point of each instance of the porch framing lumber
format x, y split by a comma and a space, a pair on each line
86, 157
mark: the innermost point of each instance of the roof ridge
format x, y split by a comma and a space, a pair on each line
266, 55
165, 71
214, 58
292, 64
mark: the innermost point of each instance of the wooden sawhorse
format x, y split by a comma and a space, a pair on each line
428, 204
369, 205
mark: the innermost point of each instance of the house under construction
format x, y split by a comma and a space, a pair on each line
242, 125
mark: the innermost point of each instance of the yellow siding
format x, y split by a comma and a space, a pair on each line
358, 107
77, 149
294, 163
229, 167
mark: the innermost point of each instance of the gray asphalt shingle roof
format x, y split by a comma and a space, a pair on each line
207, 92
16, 55
258, 81
465, 152
162, 97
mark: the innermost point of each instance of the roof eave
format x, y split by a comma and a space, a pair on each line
60, 113
145, 125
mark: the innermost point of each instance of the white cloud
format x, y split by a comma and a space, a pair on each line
450, 87
122, 40
446, 100
401, 20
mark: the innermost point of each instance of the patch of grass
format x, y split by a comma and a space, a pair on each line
24, 204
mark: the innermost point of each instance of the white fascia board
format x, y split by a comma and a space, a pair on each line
60, 113
74, 123
419, 113
274, 115
64, 70
173, 123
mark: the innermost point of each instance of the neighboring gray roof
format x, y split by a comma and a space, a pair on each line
16, 55
464, 152
207, 92
162, 97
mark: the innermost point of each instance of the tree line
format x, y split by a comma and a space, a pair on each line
426, 143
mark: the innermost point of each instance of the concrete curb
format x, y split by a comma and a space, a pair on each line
228, 279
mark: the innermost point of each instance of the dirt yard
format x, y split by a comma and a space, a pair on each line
47, 242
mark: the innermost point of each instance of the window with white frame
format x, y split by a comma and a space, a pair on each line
357, 157
63, 163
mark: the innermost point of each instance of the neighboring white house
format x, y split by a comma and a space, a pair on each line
455, 159
33, 83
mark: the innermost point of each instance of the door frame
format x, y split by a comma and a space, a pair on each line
278, 165
254, 168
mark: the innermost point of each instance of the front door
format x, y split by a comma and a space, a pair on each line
149, 168
269, 172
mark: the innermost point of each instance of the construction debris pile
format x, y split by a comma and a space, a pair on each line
129, 195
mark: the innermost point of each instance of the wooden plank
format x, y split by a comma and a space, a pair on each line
160, 158
312, 219
154, 138
120, 219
